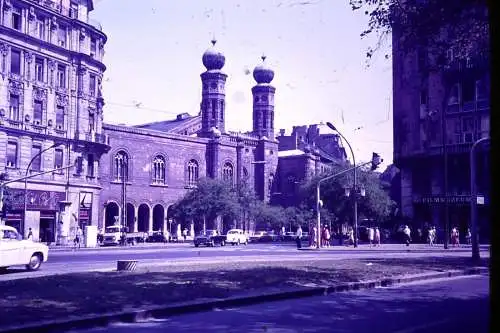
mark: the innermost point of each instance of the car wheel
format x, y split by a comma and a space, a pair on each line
35, 262
196, 245
3, 269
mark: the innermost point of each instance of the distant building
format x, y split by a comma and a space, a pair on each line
306, 152
51, 113
418, 96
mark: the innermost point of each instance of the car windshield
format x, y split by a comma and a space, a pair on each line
112, 229
9, 234
232, 232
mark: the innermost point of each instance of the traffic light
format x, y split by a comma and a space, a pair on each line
376, 160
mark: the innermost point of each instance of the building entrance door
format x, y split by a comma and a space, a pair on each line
47, 227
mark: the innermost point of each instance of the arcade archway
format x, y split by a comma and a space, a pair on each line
112, 211
130, 217
143, 218
158, 217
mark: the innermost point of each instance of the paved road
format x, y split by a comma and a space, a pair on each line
447, 305
184, 254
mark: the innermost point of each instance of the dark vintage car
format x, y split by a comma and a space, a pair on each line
157, 237
209, 238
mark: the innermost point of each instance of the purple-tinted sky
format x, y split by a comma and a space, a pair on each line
154, 54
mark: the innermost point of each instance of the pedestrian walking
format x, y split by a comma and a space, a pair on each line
468, 237
407, 235
371, 235
351, 236
314, 236
30, 234
377, 236
78, 238
327, 236
431, 236
185, 234
298, 237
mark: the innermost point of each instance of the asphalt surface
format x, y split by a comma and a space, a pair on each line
445, 305
104, 259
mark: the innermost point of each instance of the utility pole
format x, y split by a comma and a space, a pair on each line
473, 199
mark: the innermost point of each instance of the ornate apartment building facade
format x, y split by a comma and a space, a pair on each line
459, 94
51, 114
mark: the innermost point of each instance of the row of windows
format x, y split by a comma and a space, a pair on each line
12, 158
39, 28
159, 170
41, 74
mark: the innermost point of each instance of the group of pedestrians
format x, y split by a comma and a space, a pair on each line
325, 236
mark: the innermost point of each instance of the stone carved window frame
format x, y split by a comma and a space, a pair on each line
40, 94
17, 88
117, 158
159, 169
228, 172
61, 100
192, 173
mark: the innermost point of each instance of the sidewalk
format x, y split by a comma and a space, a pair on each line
139, 245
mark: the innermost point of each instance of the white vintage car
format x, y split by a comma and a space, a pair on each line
236, 236
14, 251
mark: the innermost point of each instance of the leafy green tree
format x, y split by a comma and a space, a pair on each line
461, 25
210, 199
376, 203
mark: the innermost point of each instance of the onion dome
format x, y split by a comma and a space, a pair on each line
212, 58
263, 73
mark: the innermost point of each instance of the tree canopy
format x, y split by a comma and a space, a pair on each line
440, 25
376, 204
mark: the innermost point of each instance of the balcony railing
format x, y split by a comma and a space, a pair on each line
97, 138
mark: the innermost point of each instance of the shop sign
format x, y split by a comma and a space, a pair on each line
36, 199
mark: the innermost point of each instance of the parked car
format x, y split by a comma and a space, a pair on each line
157, 237
236, 237
115, 235
262, 236
209, 238
14, 251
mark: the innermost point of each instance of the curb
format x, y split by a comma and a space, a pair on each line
208, 305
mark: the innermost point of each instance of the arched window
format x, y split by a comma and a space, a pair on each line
227, 172
264, 120
158, 172
120, 166
192, 173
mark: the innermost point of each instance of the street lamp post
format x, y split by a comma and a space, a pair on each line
355, 217
473, 199
375, 161
26, 182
